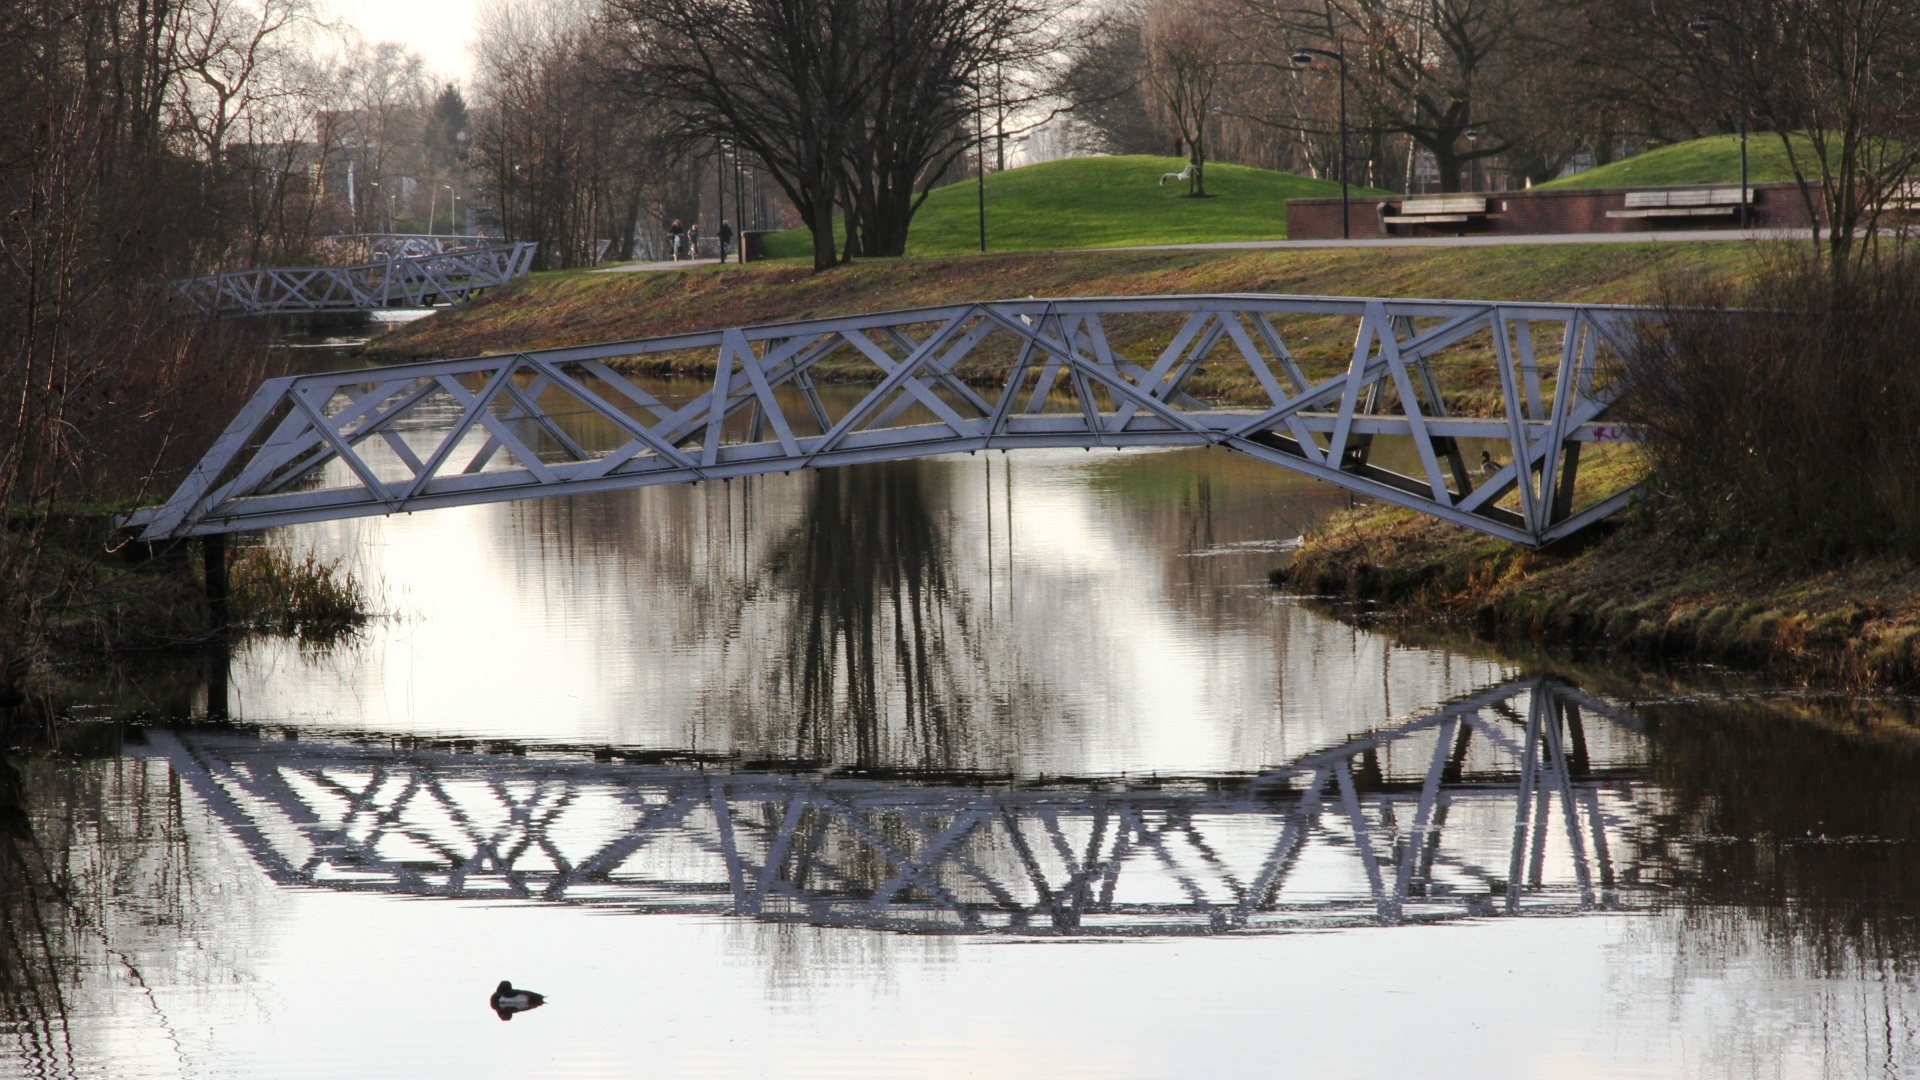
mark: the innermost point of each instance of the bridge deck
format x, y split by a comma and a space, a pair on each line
1382, 417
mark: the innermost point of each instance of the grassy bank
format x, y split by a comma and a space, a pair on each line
109, 601
1098, 202
572, 308
1628, 590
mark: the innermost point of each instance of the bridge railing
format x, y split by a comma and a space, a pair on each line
395, 282
1520, 799
1489, 415
366, 247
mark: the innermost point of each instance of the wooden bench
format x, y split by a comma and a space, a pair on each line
1437, 210
1721, 201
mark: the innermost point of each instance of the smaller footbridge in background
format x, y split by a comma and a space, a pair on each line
397, 280
1488, 415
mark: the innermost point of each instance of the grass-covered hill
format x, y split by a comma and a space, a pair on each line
1099, 202
1712, 160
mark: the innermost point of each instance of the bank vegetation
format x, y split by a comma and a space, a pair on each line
1779, 526
551, 310
144, 141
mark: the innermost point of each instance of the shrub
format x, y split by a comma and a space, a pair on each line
312, 599
1783, 416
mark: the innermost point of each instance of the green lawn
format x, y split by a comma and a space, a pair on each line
1712, 160
1099, 202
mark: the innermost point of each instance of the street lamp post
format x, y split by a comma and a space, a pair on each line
1303, 58
980, 164
739, 207
1702, 27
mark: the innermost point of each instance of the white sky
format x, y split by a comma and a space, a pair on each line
440, 30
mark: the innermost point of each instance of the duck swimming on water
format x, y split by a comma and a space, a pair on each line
506, 1000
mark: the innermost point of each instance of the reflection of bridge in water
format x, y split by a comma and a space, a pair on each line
1516, 800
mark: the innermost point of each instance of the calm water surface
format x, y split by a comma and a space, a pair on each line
988, 766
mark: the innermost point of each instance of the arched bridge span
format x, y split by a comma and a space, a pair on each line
1477, 413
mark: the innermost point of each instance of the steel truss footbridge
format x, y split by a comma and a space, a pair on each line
1477, 413
392, 281
1520, 799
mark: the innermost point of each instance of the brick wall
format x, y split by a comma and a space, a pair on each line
1539, 213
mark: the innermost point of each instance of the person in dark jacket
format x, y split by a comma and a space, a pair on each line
726, 239
676, 238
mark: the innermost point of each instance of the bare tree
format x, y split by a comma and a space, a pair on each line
382, 93
935, 63
1101, 81
1836, 74
784, 78
565, 160
98, 198
1184, 42
235, 58
853, 104
1437, 71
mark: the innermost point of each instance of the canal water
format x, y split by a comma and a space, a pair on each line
1004, 765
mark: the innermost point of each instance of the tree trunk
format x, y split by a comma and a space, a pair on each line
630, 225
820, 224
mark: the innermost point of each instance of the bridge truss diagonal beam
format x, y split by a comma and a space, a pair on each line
398, 281
1446, 407
1397, 825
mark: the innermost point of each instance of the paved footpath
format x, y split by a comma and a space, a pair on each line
642, 267
1485, 240
1494, 240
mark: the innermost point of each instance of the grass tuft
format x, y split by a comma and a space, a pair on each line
306, 597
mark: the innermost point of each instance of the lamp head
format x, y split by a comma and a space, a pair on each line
1302, 60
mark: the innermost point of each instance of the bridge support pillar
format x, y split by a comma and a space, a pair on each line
1563, 494
213, 549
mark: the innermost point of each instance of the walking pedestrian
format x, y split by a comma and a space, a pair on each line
726, 239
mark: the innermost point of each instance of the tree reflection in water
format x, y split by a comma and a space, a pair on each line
883, 660
38, 967
100, 892
867, 569
1801, 815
